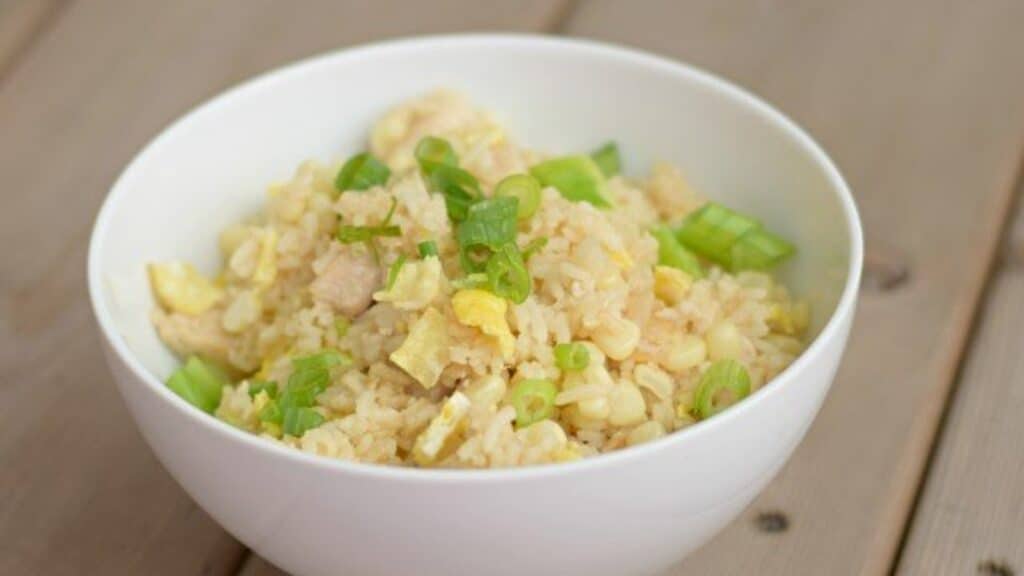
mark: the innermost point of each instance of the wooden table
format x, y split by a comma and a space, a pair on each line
916, 463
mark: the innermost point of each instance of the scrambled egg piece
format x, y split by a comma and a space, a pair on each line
671, 284
266, 265
444, 426
181, 288
424, 354
416, 285
789, 319
483, 310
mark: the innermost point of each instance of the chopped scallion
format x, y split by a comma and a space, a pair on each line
474, 280
489, 224
393, 271
672, 253
759, 250
297, 420
507, 275
321, 361
577, 178
199, 383
712, 230
459, 188
533, 400
361, 172
432, 152
341, 326
257, 386
607, 159
723, 375
571, 356
534, 246
524, 187
428, 248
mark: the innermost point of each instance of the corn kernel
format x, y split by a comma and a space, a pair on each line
671, 285
627, 405
724, 341
645, 432
597, 408
657, 381
683, 352
617, 338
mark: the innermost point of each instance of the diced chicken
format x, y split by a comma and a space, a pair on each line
348, 282
201, 335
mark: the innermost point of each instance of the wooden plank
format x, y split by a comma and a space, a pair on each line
921, 103
20, 21
79, 491
971, 514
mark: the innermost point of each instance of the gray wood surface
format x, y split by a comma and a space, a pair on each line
79, 491
921, 103
970, 518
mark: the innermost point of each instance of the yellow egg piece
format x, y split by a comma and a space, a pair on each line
444, 426
483, 310
266, 264
181, 288
424, 353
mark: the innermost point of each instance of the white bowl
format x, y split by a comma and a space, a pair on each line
632, 512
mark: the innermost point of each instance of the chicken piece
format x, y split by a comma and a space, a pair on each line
348, 282
199, 335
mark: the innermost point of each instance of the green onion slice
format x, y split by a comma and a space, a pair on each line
507, 275
759, 250
393, 271
296, 421
427, 248
271, 413
577, 178
199, 383
571, 356
524, 187
361, 172
534, 246
320, 361
712, 230
352, 234
459, 188
723, 375
489, 225
672, 253
607, 159
432, 152
533, 400
257, 386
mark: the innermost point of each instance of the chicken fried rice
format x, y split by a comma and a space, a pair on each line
449, 298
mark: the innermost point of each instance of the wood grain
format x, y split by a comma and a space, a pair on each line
20, 21
921, 103
971, 514
79, 491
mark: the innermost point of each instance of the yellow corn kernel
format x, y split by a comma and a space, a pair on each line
443, 427
627, 405
645, 432
724, 341
682, 352
483, 310
671, 285
487, 390
181, 288
654, 379
617, 338
424, 353
597, 408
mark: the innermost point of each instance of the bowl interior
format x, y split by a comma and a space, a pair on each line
212, 167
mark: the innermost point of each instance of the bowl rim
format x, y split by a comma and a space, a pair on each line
628, 55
